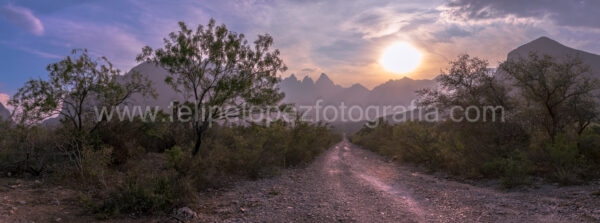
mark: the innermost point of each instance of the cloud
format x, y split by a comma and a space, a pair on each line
581, 13
450, 32
344, 51
23, 18
4, 98
117, 42
308, 70
19, 46
389, 20
43, 54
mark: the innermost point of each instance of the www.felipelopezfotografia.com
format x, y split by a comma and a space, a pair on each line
309, 113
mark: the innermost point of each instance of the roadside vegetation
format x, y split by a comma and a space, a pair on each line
549, 127
142, 168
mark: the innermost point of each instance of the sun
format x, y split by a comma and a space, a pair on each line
401, 58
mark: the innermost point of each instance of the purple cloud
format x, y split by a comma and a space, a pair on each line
23, 18
581, 13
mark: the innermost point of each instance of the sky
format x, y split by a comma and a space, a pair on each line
342, 38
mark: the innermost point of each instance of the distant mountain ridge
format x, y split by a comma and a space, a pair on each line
545, 45
300, 92
392, 92
156, 76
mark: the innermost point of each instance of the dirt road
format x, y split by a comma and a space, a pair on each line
349, 184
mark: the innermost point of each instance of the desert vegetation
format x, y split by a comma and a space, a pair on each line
138, 167
548, 127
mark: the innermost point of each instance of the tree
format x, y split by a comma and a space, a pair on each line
467, 82
75, 85
486, 130
559, 93
584, 111
218, 72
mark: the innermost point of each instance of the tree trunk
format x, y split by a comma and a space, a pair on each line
197, 145
199, 131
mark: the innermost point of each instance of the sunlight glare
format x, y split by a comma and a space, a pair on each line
401, 58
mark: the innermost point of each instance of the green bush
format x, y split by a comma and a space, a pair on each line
174, 155
516, 170
150, 185
256, 150
158, 182
497, 150
589, 144
141, 168
515, 173
94, 163
145, 197
566, 160
28, 150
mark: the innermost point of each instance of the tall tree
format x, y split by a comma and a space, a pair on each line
75, 85
467, 82
559, 92
218, 72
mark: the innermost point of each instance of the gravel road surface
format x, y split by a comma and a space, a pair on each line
349, 184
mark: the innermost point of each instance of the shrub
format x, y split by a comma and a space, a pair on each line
589, 144
516, 170
94, 163
27, 149
174, 156
515, 173
475, 150
139, 197
158, 182
150, 166
255, 150
149, 186
566, 160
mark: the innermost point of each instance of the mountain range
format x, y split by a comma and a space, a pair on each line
300, 92
392, 92
545, 45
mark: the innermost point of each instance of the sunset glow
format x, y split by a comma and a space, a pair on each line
401, 58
